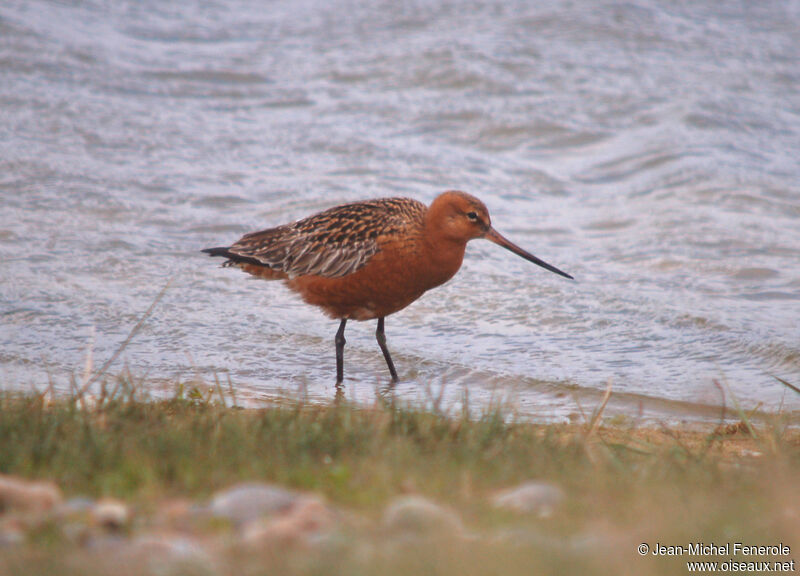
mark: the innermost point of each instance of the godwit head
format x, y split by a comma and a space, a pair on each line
460, 217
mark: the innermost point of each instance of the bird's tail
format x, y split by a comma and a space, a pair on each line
233, 257
219, 251
247, 263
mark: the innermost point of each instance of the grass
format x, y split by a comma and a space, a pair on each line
624, 485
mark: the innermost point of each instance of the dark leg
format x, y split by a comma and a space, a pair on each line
381, 338
340, 342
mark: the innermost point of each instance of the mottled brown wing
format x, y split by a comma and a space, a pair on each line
333, 243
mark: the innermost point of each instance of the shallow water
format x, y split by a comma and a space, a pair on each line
648, 148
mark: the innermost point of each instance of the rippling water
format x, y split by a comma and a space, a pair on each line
649, 148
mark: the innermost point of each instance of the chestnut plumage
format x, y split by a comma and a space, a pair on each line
369, 259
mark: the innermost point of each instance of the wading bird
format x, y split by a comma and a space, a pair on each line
369, 259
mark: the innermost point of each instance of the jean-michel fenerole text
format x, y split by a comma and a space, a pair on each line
727, 549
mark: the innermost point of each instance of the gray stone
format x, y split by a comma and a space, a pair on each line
246, 502
417, 516
539, 498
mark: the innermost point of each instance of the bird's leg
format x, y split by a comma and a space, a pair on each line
340, 342
381, 338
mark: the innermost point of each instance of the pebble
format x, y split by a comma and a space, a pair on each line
307, 518
246, 502
23, 495
539, 498
417, 516
111, 514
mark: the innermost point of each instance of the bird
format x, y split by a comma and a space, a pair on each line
366, 260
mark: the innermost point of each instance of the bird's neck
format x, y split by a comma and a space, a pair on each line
444, 255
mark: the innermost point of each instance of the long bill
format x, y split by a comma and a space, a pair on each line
494, 236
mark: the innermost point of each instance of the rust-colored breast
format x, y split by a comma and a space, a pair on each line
399, 273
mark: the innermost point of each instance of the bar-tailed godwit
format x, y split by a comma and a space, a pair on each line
369, 259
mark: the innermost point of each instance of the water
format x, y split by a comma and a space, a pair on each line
649, 148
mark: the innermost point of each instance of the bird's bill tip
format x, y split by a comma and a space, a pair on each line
494, 236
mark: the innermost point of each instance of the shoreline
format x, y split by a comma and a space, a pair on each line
190, 485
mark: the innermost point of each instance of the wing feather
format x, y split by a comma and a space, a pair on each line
333, 243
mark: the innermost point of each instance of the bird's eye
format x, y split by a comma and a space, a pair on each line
472, 216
